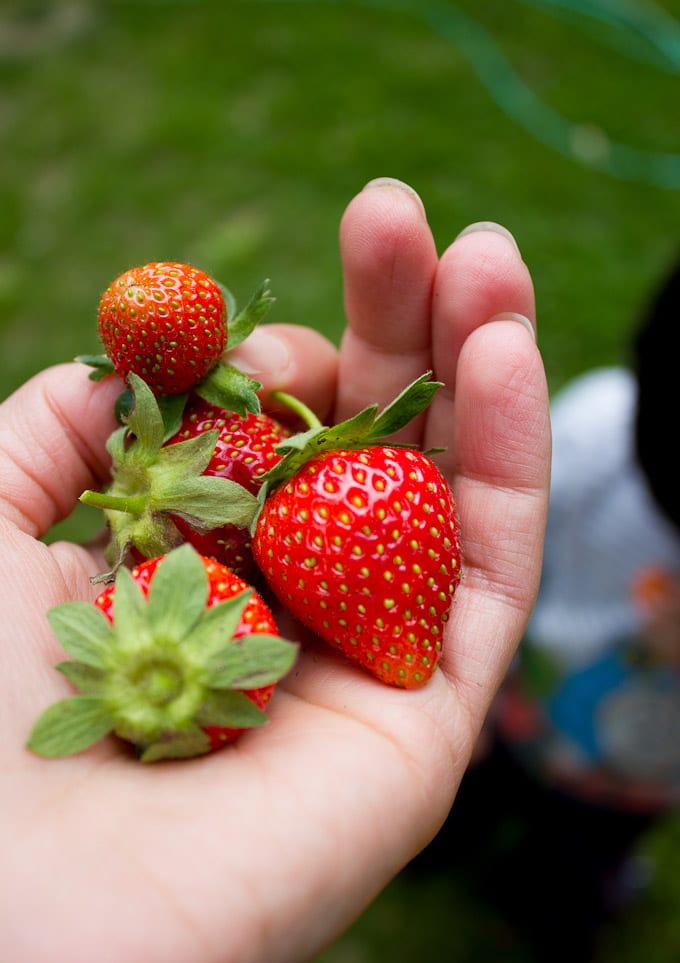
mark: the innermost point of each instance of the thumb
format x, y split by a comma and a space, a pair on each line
53, 432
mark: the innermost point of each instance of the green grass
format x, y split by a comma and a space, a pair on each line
232, 135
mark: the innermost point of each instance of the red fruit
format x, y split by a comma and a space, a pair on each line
245, 449
165, 322
359, 539
178, 658
363, 547
198, 486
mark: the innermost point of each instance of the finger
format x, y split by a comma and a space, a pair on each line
389, 263
53, 432
294, 359
501, 437
480, 276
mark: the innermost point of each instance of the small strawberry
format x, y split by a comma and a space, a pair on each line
179, 657
194, 480
359, 539
165, 322
170, 324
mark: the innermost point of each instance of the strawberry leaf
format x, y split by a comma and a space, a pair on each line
83, 631
153, 480
242, 324
365, 428
252, 661
167, 665
70, 726
227, 387
145, 421
229, 300
101, 364
191, 457
115, 444
88, 680
208, 502
232, 709
177, 594
218, 625
412, 400
152, 536
124, 405
172, 408
131, 627
177, 745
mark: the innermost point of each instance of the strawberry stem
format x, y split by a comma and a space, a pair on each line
298, 407
134, 505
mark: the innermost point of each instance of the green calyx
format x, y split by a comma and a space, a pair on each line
224, 385
369, 427
151, 482
165, 668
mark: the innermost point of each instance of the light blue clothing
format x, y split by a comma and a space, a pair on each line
589, 701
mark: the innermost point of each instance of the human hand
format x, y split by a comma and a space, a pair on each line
268, 849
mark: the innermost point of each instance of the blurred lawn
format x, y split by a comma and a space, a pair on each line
232, 135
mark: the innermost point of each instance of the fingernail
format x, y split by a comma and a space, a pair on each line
519, 318
401, 185
489, 226
261, 353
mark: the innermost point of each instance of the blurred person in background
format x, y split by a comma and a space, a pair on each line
582, 753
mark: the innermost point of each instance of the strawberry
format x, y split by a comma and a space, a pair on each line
194, 480
245, 449
179, 657
170, 324
359, 539
166, 322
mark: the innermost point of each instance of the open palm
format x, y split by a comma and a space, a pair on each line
267, 850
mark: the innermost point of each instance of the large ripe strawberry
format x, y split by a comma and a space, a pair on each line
171, 324
179, 657
359, 539
193, 480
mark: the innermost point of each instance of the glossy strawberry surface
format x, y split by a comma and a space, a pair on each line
166, 322
363, 546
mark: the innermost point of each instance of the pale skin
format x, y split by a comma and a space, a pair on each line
267, 850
